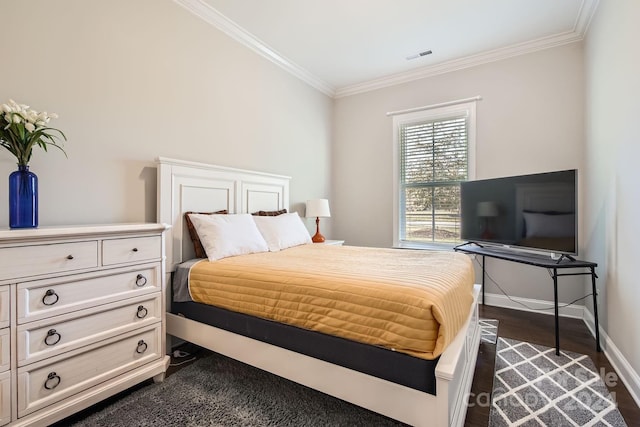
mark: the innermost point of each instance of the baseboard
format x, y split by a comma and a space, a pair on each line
623, 368
533, 305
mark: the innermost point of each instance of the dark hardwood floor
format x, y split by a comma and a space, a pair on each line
539, 328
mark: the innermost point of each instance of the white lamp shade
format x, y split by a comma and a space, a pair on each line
317, 208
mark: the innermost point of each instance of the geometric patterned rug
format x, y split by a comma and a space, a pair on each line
488, 330
534, 387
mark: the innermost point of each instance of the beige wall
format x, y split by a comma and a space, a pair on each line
612, 152
134, 80
530, 120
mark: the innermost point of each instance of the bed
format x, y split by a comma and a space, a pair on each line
416, 390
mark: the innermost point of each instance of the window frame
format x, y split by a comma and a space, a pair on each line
429, 113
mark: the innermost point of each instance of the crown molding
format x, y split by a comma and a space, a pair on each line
583, 20
577, 34
459, 64
233, 30
224, 24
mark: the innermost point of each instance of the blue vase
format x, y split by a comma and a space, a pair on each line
23, 198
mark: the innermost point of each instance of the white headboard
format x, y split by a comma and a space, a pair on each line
189, 186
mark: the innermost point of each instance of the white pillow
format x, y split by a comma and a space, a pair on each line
228, 235
282, 231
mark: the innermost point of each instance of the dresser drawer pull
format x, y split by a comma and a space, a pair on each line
135, 249
69, 256
48, 296
140, 280
142, 347
53, 380
142, 312
52, 335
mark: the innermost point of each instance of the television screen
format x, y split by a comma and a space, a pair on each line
537, 211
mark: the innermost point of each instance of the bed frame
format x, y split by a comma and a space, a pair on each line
188, 186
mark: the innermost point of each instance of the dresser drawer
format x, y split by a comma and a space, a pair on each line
5, 398
4, 306
132, 249
27, 261
5, 349
40, 299
49, 337
49, 381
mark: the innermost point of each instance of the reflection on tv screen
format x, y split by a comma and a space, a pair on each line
535, 211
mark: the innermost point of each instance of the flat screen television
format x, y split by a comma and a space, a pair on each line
536, 212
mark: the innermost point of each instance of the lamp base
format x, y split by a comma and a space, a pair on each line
317, 238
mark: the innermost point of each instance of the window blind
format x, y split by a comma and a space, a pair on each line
433, 162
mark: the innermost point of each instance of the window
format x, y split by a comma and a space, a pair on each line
434, 151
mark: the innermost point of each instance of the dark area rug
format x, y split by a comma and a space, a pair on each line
534, 387
218, 391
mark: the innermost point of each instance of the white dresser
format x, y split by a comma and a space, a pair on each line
81, 317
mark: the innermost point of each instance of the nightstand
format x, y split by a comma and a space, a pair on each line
333, 242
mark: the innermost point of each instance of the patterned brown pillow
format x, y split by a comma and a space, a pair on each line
197, 245
270, 213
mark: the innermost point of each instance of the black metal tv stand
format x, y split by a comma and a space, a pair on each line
553, 265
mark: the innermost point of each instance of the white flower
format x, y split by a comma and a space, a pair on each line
31, 116
53, 115
23, 128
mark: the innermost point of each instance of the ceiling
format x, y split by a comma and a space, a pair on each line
342, 47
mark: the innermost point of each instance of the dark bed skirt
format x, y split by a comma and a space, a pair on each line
398, 368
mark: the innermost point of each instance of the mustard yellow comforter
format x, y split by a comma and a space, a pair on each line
406, 300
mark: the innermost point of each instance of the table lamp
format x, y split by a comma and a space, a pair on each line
318, 208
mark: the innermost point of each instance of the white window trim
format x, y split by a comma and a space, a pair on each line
433, 112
